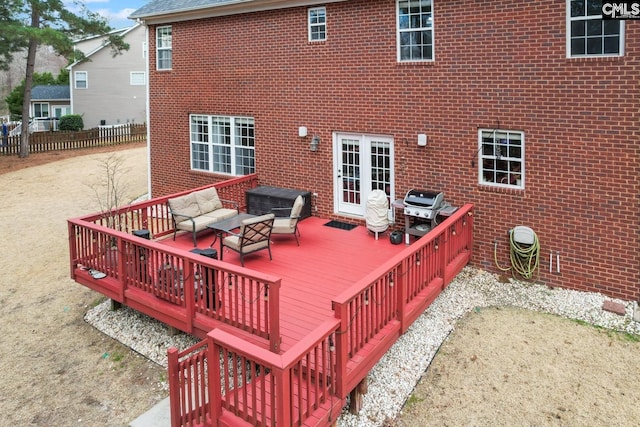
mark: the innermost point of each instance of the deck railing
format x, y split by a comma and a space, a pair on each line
371, 315
306, 385
252, 384
375, 311
180, 288
189, 380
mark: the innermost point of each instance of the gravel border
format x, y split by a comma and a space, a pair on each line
394, 377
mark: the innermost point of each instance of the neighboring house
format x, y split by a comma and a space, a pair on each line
47, 102
108, 89
529, 110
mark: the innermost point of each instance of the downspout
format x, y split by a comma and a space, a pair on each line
148, 113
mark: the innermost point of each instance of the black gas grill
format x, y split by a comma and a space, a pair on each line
421, 208
422, 203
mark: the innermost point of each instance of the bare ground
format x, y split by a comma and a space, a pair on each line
57, 370
514, 367
501, 367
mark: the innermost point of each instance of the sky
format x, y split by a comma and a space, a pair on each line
114, 11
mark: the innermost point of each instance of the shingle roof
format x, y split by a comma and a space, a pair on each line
50, 92
160, 7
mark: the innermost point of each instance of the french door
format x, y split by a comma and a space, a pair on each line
362, 163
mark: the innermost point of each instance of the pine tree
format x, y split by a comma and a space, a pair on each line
27, 24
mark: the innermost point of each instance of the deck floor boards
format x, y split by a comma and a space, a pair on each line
328, 261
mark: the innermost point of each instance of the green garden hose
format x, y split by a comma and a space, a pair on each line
524, 257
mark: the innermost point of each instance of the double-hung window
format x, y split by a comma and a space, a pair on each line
80, 80
415, 30
317, 24
163, 48
590, 35
223, 144
501, 161
40, 110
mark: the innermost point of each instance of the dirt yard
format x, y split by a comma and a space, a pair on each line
513, 367
56, 369
500, 366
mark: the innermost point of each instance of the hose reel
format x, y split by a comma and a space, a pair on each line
524, 252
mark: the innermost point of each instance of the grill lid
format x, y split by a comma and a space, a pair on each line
423, 199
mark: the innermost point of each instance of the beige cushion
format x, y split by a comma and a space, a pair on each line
255, 219
298, 204
200, 222
220, 214
282, 226
234, 243
259, 233
184, 205
208, 200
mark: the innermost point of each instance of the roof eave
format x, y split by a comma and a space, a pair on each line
124, 32
233, 7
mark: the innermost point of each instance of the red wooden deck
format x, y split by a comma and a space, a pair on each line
335, 305
327, 262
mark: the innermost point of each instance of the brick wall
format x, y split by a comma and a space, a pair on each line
497, 66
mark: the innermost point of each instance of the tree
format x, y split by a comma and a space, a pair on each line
32, 23
110, 190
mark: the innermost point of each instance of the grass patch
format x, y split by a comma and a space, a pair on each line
96, 302
413, 400
622, 336
117, 356
626, 336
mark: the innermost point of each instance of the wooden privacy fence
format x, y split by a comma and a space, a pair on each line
41, 142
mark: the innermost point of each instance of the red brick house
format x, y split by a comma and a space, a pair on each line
530, 110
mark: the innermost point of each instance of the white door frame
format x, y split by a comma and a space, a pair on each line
354, 171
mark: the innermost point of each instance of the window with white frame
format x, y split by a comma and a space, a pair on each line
590, 35
40, 109
415, 30
501, 161
163, 47
137, 78
223, 144
317, 24
80, 80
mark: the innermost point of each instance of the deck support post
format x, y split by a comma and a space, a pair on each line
115, 305
361, 389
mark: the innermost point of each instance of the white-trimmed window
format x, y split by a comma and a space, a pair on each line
590, 35
222, 144
80, 80
317, 24
163, 48
501, 161
137, 78
415, 30
40, 110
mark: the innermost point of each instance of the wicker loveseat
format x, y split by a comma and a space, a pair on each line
193, 212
